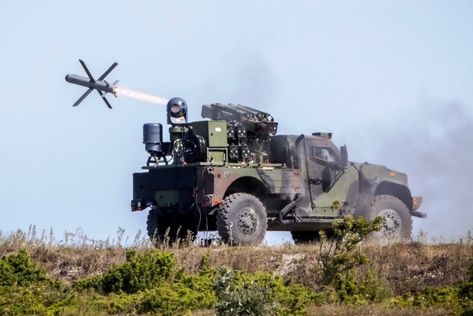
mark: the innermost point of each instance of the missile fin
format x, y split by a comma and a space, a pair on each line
105, 74
86, 70
83, 97
104, 99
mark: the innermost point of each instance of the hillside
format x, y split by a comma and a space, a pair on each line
394, 279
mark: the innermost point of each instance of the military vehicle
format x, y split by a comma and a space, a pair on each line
234, 174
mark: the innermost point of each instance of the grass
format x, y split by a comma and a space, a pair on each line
398, 279
407, 267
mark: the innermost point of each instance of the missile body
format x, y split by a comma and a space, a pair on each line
99, 85
103, 87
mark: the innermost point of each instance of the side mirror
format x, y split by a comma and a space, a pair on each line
344, 156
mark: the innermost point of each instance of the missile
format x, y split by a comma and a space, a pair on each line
100, 85
86, 82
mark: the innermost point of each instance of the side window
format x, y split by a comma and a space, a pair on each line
322, 153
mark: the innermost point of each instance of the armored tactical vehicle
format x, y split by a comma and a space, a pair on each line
234, 174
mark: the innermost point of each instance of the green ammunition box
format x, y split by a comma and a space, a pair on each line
214, 132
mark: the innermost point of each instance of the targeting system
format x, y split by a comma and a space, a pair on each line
177, 111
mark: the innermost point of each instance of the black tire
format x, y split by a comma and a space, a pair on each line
169, 227
241, 220
156, 225
306, 237
397, 225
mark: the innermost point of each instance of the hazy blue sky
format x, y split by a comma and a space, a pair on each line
392, 79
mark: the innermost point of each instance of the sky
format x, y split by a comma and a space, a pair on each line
391, 79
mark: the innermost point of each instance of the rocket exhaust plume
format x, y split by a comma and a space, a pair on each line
139, 95
103, 87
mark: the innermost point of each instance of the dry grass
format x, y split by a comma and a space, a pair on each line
405, 268
373, 309
350, 310
414, 266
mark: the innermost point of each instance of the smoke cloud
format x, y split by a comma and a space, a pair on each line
435, 149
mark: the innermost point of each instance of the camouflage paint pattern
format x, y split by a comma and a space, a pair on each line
307, 173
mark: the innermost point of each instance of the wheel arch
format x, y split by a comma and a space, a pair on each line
397, 190
247, 184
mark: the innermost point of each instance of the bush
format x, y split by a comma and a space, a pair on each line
138, 273
177, 299
344, 253
19, 270
458, 299
151, 283
466, 288
259, 294
26, 289
341, 255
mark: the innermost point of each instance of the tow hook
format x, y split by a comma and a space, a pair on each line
139, 205
136, 205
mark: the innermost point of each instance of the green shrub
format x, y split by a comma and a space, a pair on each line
341, 255
458, 299
18, 269
259, 294
176, 299
466, 290
373, 288
138, 273
151, 283
26, 289
446, 297
344, 253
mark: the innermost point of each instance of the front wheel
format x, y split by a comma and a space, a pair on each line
397, 223
241, 219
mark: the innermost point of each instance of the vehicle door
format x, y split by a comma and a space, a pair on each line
323, 171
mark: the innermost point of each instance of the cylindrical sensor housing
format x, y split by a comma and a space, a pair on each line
153, 138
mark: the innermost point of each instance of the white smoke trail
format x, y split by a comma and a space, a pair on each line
139, 95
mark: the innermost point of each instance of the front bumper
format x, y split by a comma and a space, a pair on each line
416, 203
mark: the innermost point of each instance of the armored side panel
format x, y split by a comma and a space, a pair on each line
282, 150
165, 186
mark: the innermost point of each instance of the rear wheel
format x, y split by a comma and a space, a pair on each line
169, 226
397, 223
241, 219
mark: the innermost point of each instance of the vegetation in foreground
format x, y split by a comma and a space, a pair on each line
339, 276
